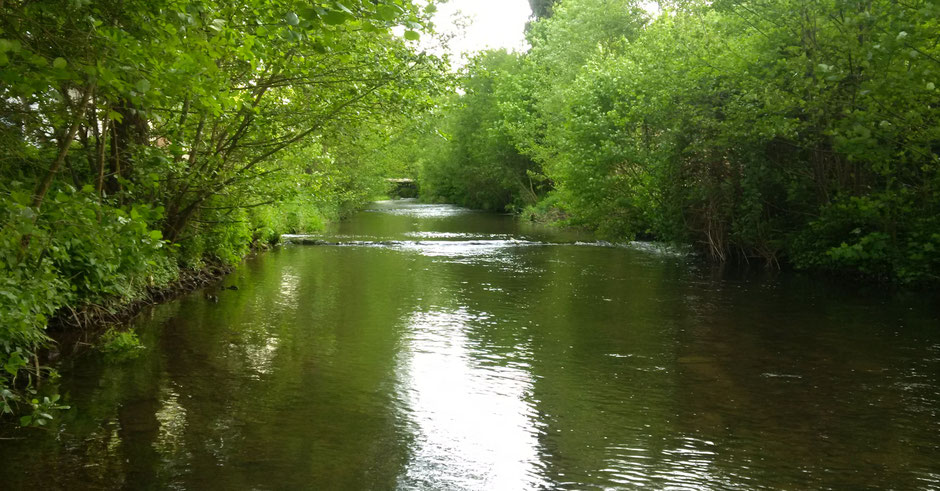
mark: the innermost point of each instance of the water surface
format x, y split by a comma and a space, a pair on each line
431, 347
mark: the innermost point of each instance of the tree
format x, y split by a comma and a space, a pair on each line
481, 167
145, 136
542, 8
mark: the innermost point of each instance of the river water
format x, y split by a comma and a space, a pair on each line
432, 347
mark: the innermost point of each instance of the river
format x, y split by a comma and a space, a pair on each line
433, 347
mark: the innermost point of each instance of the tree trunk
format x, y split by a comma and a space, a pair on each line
127, 131
43, 187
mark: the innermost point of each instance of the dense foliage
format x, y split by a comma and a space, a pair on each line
475, 162
794, 132
141, 137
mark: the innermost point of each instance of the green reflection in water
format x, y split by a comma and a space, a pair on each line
446, 349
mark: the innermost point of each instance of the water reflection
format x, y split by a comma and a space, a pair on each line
472, 423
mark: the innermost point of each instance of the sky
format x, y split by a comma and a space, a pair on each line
495, 24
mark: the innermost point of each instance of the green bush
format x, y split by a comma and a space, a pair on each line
78, 252
878, 235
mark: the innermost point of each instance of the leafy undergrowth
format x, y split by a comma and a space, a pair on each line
83, 263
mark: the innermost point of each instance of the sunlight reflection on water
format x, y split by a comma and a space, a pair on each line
473, 427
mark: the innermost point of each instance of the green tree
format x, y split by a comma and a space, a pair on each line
481, 167
141, 137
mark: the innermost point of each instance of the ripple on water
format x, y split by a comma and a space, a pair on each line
417, 210
457, 236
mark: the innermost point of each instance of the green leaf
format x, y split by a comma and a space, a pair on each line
387, 12
292, 19
156, 235
143, 85
309, 13
59, 63
335, 18
412, 35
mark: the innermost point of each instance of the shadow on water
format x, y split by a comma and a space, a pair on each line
435, 347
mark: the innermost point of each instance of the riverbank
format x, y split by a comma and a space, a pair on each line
548, 212
85, 266
71, 330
